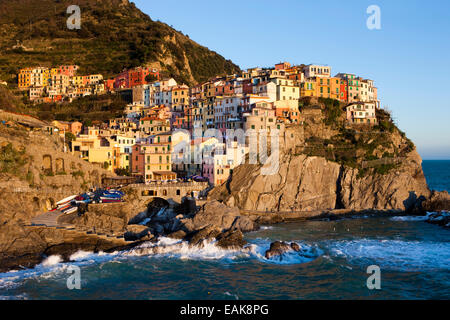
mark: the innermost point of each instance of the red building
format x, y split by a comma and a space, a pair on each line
109, 84
247, 87
122, 80
343, 90
134, 77
137, 76
226, 88
282, 66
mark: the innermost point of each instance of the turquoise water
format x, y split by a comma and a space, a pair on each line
437, 174
413, 256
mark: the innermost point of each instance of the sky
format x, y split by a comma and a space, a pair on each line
409, 57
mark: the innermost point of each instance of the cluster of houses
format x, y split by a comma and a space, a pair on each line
57, 84
143, 141
46, 85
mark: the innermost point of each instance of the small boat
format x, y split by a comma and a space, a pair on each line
66, 200
84, 198
70, 210
110, 195
63, 207
110, 200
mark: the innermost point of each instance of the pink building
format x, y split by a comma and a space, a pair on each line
70, 70
137, 161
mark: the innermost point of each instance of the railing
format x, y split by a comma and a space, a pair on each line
170, 184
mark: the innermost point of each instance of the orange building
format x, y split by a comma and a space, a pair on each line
24, 80
328, 87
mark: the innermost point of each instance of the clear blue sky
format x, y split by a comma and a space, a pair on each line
408, 58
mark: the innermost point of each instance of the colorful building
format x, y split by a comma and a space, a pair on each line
362, 113
153, 160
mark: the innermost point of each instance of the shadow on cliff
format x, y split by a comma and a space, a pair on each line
414, 204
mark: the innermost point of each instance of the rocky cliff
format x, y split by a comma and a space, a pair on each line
307, 183
35, 173
326, 164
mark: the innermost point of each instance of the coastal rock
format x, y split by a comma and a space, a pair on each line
157, 229
137, 232
402, 189
214, 221
441, 219
100, 223
179, 235
207, 234
439, 201
27, 246
245, 224
188, 206
138, 218
232, 239
295, 247
156, 205
212, 214
277, 249
305, 183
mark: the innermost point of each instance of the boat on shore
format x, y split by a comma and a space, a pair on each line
66, 200
70, 204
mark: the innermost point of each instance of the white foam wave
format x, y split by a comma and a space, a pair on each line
409, 218
235, 296
183, 250
395, 254
18, 297
51, 267
307, 254
167, 247
52, 261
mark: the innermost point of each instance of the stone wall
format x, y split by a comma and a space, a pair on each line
173, 191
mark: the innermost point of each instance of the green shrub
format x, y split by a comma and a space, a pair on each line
12, 160
78, 173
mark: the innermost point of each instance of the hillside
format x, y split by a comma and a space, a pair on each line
326, 164
114, 35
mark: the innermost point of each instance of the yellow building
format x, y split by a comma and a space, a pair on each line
24, 81
95, 149
180, 98
77, 81
155, 157
308, 88
154, 125
33, 77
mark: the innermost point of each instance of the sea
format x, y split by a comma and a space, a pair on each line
411, 260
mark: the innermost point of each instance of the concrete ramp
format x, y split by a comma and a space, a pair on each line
49, 219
